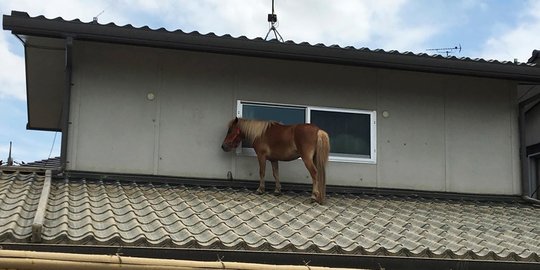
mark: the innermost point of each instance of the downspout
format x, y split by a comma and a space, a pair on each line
66, 102
25, 75
525, 181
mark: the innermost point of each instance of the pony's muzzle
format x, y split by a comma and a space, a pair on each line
226, 148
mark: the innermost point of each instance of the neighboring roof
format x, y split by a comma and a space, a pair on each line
50, 163
535, 58
93, 212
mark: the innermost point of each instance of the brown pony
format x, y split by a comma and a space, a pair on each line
273, 141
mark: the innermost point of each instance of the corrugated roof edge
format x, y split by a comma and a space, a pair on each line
328, 260
21, 23
211, 34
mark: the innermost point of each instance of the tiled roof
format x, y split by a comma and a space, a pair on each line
260, 39
21, 23
115, 213
19, 198
50, 163
290, 42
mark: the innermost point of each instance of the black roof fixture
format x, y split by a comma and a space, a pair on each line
10, 159
448, 51
272, 19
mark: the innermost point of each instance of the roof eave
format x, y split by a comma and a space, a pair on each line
291, 258
22, 23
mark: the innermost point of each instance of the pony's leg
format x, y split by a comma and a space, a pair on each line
262, 169
275, 171
308, 161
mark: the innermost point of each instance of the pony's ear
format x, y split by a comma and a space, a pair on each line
235, 120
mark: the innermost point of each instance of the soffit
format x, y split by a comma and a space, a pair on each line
45, 81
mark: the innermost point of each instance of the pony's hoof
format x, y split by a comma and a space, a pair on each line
277, 192
260, 191
316, 198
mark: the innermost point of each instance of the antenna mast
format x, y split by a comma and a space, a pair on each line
272, 19
95, 19
10, 159
448, 51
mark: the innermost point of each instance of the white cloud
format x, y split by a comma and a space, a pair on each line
66, 9
519, 41
12, 72
12, 79
346, 22
378, 24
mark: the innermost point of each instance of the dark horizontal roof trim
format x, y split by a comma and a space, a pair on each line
296, 187
20, 23
287, 258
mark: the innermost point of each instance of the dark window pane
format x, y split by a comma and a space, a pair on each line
282, 114
285, 115
349, 132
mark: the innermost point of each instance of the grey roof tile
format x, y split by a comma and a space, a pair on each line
98, 212
50, 163
19, 197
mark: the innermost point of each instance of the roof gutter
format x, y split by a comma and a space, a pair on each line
290, 258
50, 260
22, 23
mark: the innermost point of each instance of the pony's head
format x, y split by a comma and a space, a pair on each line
234, 136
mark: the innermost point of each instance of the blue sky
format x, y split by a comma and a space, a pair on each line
489, 29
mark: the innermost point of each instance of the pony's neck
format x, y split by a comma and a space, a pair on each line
253, 129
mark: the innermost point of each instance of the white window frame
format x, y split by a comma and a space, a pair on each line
373, 129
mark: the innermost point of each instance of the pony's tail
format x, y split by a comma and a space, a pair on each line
321, 158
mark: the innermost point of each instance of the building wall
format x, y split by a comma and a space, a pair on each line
443, 133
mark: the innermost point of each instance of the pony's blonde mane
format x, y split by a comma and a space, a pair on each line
252, 129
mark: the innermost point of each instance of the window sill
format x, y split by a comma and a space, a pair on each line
249, 152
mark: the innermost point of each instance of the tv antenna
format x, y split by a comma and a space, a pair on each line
272, 19
10, 159
94, 19
447, 51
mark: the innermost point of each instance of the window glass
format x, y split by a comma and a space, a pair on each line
282, 114
350, 134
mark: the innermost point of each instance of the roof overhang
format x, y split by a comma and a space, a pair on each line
310, 260
45, 81
45, 65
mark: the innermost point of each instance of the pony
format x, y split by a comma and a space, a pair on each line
275, 142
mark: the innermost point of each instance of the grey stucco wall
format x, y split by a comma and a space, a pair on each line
443, 133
